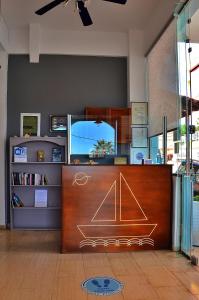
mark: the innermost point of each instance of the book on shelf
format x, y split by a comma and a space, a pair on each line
56, 154
20, 154
41, 198
16, 201
19, 178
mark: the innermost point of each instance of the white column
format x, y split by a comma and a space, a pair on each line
3, 34
136, 67
136, 70
3, 129
34, 42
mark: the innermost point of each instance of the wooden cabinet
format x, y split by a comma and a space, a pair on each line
123, 118
101, 212
98, 113
111, 115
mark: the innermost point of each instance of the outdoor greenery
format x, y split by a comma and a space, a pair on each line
196, 198
183, 128
103, 147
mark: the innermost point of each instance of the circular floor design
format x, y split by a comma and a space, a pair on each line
102, 286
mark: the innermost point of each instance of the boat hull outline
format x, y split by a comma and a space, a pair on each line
116, 231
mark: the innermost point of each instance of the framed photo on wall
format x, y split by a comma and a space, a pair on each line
30, 124
139, 137
58, 123
138, 154
139, 113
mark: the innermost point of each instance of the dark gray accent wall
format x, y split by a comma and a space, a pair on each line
62, 85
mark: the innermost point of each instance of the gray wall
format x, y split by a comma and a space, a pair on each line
63, 85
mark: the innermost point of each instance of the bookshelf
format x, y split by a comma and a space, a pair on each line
29, 216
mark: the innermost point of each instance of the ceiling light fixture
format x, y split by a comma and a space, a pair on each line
81, 7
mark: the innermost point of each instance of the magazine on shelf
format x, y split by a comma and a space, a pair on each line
20, 154
41, 198
56, 155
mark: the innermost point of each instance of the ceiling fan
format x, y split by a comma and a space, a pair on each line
81, 7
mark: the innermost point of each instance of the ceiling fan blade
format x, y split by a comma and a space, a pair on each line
48, 7
117, 1
84, 14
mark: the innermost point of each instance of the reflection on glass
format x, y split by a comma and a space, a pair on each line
95, 139
156, 150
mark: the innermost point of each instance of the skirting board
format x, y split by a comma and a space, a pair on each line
2, 227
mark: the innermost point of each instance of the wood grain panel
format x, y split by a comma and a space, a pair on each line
116, 208
123, 118
121, 115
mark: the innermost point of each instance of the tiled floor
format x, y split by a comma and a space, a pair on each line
31, 268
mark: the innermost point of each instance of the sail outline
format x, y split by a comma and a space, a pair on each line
119, 226
130, 220
113, 186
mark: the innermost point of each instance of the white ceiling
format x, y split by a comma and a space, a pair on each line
106, 16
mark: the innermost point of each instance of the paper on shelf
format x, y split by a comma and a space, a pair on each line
41, 198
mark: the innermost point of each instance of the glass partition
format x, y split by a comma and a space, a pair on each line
188, 129
97, 140
183, 117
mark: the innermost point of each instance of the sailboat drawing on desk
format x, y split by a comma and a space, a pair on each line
112, 226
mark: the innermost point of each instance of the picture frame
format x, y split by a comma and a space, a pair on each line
139, 137
139, 113
30, 124
138, 154
58, 123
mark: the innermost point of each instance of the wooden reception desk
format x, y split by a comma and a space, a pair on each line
116, 208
